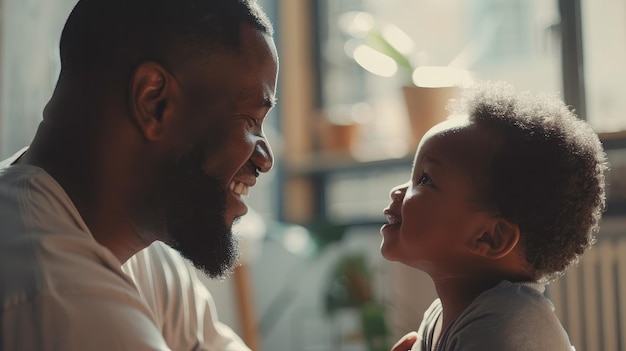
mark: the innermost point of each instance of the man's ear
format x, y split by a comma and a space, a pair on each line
150, 98
496, 241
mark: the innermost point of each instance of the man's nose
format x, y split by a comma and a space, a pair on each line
263, 158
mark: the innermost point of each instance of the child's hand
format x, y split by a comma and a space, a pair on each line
406, 343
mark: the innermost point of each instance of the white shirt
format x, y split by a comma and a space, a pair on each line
183, 307
61, 290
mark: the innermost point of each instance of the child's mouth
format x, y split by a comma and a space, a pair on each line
391, 218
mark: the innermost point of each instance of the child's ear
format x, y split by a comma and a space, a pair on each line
496, 241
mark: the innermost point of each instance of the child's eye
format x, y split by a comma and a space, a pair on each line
425, 180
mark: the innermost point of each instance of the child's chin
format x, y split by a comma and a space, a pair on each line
387, 251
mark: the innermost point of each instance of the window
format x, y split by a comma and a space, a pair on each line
604, 54
513, 40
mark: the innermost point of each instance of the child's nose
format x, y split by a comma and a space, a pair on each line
397, 192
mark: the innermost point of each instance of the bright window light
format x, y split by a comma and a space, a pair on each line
374, 61
441, 76
296, 240
357, 24
398, 39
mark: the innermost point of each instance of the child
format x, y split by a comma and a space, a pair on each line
503, 196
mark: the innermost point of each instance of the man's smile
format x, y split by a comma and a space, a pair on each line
239, 188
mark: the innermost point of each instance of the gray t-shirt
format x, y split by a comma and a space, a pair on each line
510, 316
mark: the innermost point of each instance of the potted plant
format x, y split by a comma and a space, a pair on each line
385, 50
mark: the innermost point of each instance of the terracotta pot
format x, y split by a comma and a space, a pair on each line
427, 107
338, 137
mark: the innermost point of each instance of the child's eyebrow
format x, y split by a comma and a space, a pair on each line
433, 160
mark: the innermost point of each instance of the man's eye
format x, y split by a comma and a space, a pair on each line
425, 180
252, 122
255, 122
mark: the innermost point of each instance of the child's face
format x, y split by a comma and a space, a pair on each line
433, 216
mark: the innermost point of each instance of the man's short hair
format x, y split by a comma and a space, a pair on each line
123, 33
547, 175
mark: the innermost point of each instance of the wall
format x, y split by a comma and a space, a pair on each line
29, 65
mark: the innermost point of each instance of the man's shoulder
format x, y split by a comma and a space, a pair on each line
34, 265
28, 193
78, 319
11, 159
68, 290
45, 247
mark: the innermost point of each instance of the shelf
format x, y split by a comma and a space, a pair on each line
613, 140
322, 163
330, 162
333, 177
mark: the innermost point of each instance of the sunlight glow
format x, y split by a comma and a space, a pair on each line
296, 240
356, 23
441, 76
374, 61
398, 39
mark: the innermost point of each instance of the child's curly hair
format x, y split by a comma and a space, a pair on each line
547, 176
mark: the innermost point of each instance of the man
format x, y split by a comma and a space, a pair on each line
182, 306
154, 132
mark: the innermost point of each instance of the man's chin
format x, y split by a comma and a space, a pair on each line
216, 259
223, 273
221, 268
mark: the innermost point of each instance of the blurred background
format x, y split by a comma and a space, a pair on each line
360, 81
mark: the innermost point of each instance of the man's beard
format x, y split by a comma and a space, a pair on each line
193, 212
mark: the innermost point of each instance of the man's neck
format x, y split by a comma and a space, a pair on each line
102, 202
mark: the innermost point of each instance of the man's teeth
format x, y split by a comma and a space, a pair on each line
238, 188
